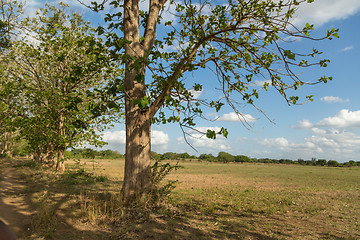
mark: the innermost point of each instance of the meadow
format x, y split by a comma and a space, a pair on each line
210, 201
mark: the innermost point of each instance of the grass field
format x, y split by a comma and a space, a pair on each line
211, 201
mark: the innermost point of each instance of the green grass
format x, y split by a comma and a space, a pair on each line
211, 201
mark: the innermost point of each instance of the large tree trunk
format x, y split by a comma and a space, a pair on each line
138, 121
60, 163
138, 151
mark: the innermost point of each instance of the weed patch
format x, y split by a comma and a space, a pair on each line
45, 220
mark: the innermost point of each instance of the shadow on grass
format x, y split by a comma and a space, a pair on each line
37, 209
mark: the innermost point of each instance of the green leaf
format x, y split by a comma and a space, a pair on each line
211, 134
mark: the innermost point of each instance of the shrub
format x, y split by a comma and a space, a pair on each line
333, 163
242, 158
225, 157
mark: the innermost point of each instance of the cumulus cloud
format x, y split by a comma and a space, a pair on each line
304, 124
233, 117
332, 99
332, 137
329, 144
336, 141
344, 119
159, 138
116, 137
275, 142
285, 148
323, 11
200, 141
119, 137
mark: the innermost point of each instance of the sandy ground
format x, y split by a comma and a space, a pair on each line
14, 210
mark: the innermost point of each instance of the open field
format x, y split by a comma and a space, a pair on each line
211, 201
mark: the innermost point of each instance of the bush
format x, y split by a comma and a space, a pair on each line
207, 157
242, 158
225, 157
321, 162
333, 163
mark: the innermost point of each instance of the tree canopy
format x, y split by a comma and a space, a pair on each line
57, 73
236, 39
64, 81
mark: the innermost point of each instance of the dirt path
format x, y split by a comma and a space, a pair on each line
14, 210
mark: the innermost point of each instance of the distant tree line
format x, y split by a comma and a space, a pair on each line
225, 157
171, 156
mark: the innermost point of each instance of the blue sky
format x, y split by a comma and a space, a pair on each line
327, 128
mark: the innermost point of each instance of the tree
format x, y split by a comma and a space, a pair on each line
332, 163
225, 157
321, 162
9, 15
238, 40
10, 11
59, 71
242, 158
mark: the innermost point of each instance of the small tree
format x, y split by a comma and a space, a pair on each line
10, 11
242, 158
238, 39
332, 163
321, 162
225, 157
90, 153
59, 72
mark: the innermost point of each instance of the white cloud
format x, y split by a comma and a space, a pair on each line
336, 141
233, 117
119, 137
329, 144
332, 99
196, 94
261, 83
201, 142
204, 129
218, 144
318, 131
305, 124
275, 142
323, 11
159, 138
348, 48
334, 137
343, 119
116, 137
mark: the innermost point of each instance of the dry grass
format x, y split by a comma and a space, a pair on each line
212, 201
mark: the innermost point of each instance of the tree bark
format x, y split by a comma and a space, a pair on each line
60, 164
138, 152
137, 120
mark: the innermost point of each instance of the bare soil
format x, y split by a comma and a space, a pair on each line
14, 209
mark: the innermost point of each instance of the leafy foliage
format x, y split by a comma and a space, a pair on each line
58, 73
239, 41
159, 190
